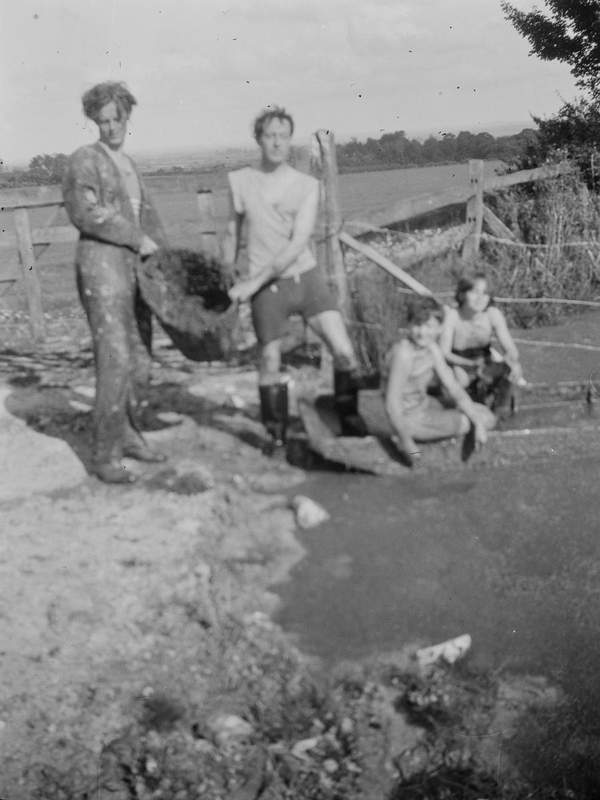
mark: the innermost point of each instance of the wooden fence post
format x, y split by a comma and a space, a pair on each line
474, 210
333, 219
208, 228
31, 281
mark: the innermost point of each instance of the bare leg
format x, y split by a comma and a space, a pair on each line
269, 362
330, 326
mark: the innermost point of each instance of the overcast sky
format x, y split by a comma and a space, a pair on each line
201, 69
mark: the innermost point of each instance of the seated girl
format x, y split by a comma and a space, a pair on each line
466, 342
416, 362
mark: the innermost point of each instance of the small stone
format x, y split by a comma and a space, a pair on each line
151, 766
85, 409
225, 728
346, 726
308, 513
147, 692
170, 417
302, 747
330, 765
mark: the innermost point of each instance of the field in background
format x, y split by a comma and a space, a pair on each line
175, 197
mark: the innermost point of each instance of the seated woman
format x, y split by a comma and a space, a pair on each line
466, 341
416, 362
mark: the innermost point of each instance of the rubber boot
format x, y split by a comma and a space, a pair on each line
345, 395
274, 413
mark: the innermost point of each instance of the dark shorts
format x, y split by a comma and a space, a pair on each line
307, 295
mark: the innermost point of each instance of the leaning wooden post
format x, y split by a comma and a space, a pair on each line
208, 228
333, 219
31, 280
474, 210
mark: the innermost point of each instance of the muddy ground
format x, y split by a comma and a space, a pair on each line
138, 657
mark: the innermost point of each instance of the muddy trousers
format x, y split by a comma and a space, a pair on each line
121, 327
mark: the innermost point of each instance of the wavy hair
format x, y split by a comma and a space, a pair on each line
466, 283
268, 114
421, 307
108, 92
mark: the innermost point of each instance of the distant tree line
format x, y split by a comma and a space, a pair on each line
397, 150
42, 170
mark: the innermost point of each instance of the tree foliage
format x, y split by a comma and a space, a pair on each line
396, 150
569, 31
43, 169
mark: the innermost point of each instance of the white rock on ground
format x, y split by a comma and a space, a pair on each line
225, 728
308, 513
31, 462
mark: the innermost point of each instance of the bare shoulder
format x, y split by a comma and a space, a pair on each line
450, 315
495, 316
401, 353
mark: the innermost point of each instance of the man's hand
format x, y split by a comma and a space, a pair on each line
147, 247
516, 372
243, 290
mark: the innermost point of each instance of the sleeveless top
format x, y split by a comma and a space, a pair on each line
414, 394
472, 337
270, 224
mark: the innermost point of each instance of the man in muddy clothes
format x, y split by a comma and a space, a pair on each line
279, 205
107, 201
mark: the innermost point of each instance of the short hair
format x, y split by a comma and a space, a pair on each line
421, 307
466, 283
268, 114
108, 92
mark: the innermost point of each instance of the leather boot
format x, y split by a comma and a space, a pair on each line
274, 412
345, 394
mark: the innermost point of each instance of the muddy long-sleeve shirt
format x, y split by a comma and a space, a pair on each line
99, 205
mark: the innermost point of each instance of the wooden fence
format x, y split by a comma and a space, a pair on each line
337, 232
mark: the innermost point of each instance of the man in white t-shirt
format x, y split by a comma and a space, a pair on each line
279, 206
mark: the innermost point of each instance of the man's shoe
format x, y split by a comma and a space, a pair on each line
114, 472
141, 452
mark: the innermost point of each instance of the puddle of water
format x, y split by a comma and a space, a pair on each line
510, 556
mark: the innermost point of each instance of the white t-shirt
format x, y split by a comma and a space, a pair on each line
270, 211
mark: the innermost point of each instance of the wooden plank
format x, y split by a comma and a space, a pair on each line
496, 226
208, 227
429, 247
528, 175
333, 218
33, 289
410, 207
474, 210
30, 197
59, 234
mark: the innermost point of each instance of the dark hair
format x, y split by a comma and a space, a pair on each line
466, 283
420, 308
268, 114
109, 92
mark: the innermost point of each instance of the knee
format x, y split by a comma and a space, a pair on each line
270, 361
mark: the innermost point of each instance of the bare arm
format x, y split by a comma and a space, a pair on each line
230, 244
399, 371
304, 225
505, 339
82, 192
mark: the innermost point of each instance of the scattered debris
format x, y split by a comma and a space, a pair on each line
448, 651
